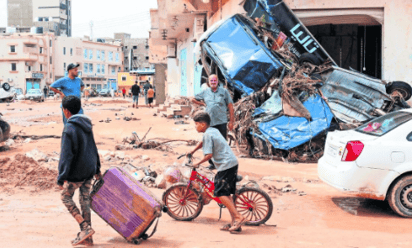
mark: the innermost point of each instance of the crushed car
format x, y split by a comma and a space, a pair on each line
288, 90
7, 92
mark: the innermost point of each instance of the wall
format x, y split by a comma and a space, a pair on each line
20, 13
159, 82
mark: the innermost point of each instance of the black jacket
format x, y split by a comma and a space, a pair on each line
79, 159
135, 90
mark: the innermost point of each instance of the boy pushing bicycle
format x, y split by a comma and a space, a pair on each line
216, 148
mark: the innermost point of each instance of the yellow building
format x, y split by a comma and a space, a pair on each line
125, 80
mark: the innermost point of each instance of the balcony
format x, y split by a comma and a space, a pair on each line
31, 50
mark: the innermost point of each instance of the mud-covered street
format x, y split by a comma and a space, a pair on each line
307, 213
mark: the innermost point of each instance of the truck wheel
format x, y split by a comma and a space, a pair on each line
403, 88
6, 86
310, 58
400, 196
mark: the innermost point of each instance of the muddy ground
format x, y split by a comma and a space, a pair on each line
312, 215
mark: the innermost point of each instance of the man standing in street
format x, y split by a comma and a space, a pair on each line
146, 87
45, 91
112, 92
124, 93
69, 86
135, 92
218, 102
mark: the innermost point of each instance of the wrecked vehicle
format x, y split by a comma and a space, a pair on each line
4, 130
373, 161
35, 95
7, 92
288, 91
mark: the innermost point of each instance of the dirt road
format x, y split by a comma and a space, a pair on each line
312, 215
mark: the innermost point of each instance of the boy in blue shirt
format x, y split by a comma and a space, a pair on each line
216, 148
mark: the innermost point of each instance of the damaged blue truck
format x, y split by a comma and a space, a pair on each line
288, 90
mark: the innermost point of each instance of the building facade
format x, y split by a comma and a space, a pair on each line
372, 36
50, 15
26, 60
99, 62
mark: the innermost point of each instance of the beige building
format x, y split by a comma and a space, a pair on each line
372, 36
26, 60
99, 62
51, 15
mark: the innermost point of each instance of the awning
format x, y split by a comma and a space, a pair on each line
362, 16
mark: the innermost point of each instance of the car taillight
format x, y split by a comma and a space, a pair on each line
352, 151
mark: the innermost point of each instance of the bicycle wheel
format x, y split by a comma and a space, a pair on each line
260, 209
181, 208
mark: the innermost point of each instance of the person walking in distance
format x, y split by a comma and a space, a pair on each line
112, 92
69, 86
146, 87
135, 92
45, 91
124, 93
150, 96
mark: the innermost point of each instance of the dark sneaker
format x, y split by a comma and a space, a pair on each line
83, 235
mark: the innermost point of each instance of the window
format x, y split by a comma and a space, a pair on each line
134, 58
119, 69
41, 50
85, 53
117, 57
125, 47
28, 68
384, 124
99, 87
98, 54
71, 51
126, 68
86, 67
134, 47
110, 56
41, 67
12, 49
90, 54
98, 68
64, 66
40, 19
51, 43
124, 79
102, 54
51, 60
90, 68
147, 57
113, 70
64, 51
147, 46
103, 69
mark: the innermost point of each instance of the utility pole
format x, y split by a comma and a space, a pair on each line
91, 30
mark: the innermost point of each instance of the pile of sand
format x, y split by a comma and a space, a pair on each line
25, 171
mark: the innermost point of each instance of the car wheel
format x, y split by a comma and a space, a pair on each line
403, 88
6, 86
310, 58
400, 196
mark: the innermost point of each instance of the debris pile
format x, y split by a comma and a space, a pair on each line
25, 171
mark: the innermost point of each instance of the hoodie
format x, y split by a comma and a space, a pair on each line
79, 159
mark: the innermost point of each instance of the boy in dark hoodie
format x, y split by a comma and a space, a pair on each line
79, 162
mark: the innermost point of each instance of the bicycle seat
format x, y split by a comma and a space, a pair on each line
239, 178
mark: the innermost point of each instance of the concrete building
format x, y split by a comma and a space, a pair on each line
136, 54
372, 36
99, 62
51, 15
26, 60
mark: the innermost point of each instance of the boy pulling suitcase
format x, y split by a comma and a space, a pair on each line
79, 162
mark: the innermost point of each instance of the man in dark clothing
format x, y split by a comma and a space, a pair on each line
79, 162
135, 92
45, 91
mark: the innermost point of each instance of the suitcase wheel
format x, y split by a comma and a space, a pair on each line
136, 241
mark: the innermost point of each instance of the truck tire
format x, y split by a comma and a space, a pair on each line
6, 86
310, 58
403, 88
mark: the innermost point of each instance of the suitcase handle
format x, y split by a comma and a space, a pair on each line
96, 186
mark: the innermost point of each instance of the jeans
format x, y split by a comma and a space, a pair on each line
136, 99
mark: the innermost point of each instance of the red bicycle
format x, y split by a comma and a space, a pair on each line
185, 200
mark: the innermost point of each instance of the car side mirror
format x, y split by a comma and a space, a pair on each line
409, 137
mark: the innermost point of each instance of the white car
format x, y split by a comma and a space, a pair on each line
373, 161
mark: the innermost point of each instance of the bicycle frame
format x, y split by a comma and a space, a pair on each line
208, 187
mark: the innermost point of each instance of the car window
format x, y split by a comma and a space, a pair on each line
409, 137
384, 124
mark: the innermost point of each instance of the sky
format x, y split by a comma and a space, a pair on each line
108, 17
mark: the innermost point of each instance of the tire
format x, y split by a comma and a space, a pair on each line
176, 210
6, 86
262, 209
310, 58
404, 88
400, 196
